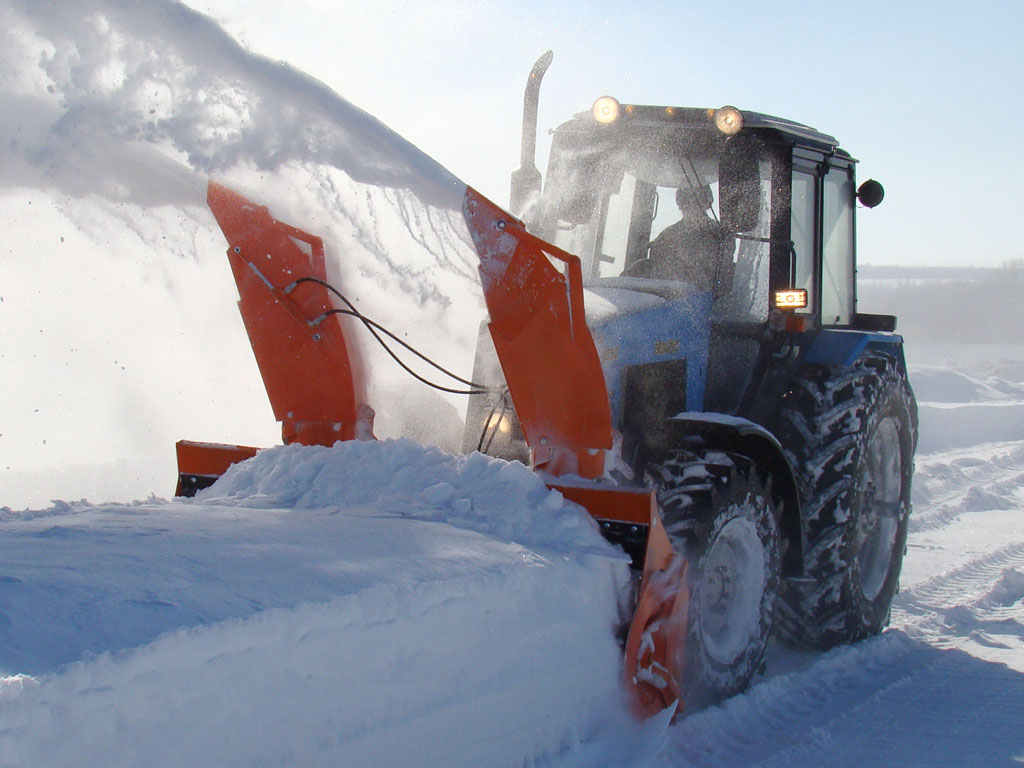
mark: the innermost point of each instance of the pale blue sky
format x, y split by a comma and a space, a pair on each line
926, 95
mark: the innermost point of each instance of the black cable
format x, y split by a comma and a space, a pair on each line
492, 425
372, 326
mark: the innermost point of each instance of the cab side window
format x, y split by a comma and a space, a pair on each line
802, 233
837, 270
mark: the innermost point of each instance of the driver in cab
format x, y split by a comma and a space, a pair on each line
695, 249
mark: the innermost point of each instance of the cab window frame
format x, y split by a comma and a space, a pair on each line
819, 166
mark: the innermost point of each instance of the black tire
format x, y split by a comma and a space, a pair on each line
850, 434
720, 515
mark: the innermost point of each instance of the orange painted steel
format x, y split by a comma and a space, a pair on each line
208, 459
656, 641
315, 386
655, 644
540, 333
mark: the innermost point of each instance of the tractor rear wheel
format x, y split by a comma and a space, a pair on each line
850, 433
720, 517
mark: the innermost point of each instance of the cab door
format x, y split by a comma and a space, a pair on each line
822, 233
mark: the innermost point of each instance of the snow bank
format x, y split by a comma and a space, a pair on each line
508, 668
293, 525
502, 499
961, 408
376, 603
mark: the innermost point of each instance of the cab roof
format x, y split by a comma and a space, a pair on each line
646, 114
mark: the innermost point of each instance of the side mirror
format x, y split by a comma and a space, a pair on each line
870, 193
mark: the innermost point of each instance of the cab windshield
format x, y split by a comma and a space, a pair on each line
664, 204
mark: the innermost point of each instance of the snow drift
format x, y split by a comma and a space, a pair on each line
373, 603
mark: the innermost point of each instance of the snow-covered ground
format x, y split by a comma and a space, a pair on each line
389, 604
371, 604
375, 603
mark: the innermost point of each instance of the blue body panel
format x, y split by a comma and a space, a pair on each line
838, 346
671, 329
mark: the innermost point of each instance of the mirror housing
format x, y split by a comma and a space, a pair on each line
870, 193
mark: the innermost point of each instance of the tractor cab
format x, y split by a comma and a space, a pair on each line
753, 212
779, 200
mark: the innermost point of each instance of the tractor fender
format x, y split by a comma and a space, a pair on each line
738, 435
842, 346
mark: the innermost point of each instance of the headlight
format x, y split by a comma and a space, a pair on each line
729, 120
501, 422
606, 110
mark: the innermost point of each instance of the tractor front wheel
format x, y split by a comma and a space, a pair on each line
720, 517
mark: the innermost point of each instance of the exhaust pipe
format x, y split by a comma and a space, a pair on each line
526, 179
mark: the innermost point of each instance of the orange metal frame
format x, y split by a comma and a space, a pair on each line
550, 362
540, 333
657, 633
207, 460
315, 385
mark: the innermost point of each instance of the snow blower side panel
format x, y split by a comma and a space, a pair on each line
315, 385
656, 641
314, 382
546, 351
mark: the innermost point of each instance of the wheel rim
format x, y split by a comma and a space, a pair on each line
729, 592
881, 484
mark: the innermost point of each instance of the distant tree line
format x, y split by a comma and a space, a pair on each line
948, 304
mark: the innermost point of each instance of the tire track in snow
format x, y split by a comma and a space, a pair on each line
955, 484
966, 585
843, 709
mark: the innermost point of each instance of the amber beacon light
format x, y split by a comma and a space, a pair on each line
791, 299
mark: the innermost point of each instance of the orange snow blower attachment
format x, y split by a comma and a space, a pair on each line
316, 387
550, 363
540, 333
554, 376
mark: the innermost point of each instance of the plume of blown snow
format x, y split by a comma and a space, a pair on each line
120, 332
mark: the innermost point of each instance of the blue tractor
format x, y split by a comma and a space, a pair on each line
774, 421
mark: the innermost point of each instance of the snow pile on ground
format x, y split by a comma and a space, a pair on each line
374, 603
960, 408
403, 478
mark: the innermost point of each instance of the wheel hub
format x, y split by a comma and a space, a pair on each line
880, 483
729, 594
